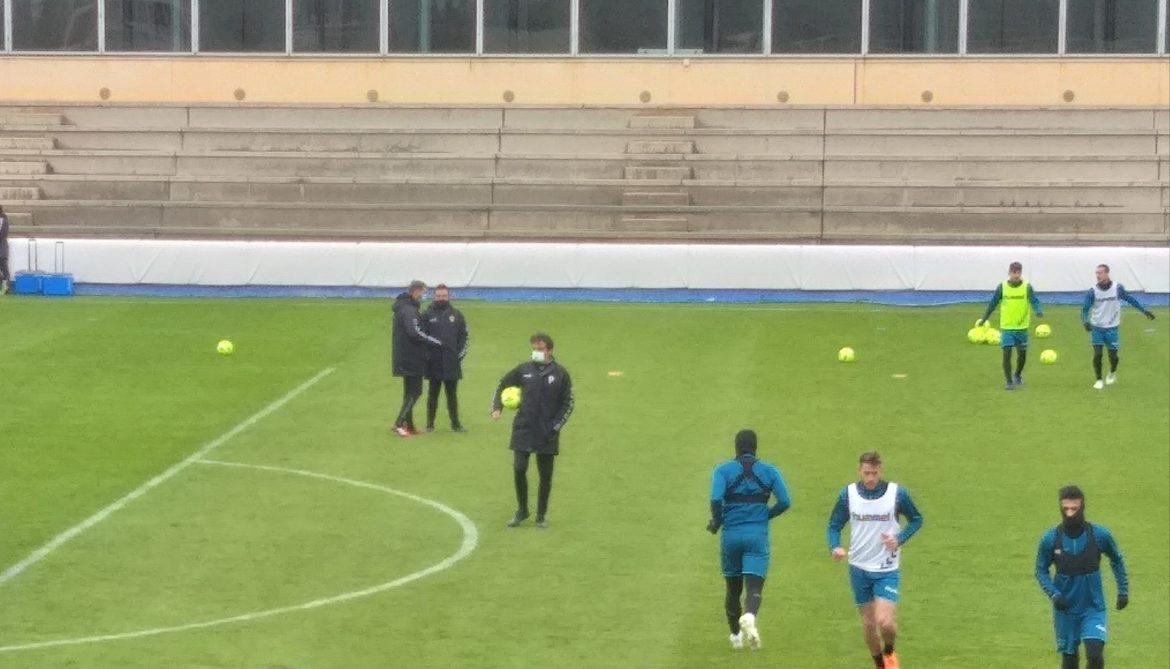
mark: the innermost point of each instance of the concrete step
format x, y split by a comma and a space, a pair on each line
653, 224
18, 221
11, 193
657, 199
23, 167
28, 143
30, 118
642, 172
662, 121
661, 146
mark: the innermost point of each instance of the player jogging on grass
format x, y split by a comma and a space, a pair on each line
1101, 314
871, 506
740, 490
1078, 598
1016, 301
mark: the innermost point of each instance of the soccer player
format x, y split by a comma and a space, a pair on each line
1078, 599
445, 365
409, 354
1101, 314
1014, 298
871, 506
740, 490
545, 406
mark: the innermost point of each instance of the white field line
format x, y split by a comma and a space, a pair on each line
470, 540
62, 538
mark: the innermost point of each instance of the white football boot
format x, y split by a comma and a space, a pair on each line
737, 641
1099, 384
747, 627
1110, 378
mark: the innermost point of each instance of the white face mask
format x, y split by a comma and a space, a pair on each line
538, 356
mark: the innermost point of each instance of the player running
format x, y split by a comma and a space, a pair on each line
1014, 298
740, 490
871, 506
1078, 599
1101, 314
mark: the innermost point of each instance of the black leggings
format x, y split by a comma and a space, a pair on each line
434, 387
411, 391
755, 596
5, 275
1021, 358
1114, 360
544, 466
1094, 653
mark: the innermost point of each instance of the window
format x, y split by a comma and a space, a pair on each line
54, 25
235, 25
1112, 26
623, 26
816, 26
432, 26
335, 26
148, 25
526, 26
1013, 26
720, 26
914, 26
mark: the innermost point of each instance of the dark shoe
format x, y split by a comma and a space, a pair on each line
542, 522
430, 428
1009, 386
1019, 380
520, 517
458, 428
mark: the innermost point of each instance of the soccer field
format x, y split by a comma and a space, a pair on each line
291, 528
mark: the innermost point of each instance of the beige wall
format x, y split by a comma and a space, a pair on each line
452, 81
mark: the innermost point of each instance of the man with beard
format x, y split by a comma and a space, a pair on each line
410, 345
1078, 598
445, 365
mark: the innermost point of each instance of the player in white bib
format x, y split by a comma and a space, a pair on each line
871, 507
1101, 314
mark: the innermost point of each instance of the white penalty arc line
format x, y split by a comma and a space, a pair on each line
469, 543
62, 538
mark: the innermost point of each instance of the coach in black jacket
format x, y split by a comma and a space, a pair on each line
445, 365
410, 354
5, 276
545, 407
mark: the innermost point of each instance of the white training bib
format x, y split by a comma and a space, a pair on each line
1106, 309
869, 521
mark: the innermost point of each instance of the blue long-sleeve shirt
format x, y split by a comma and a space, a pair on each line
1081, 592
1122, 294
997, 297
904, 506
744, 516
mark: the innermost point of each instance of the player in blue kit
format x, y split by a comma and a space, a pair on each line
872, 506
1078, 597
740, 491
1101, 315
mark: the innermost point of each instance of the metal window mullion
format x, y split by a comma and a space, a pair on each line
1163, 38
767, 27
864, 27
7, 12
1062, 28
101, 26
194, 26
964, 15
479, 27
574, 27
671, 26
288, 27
383, 27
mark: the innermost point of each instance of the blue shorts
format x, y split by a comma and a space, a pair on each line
1010, 338
868, 585
1107, 337
745, 553
1072, 627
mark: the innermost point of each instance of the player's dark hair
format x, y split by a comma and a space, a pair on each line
745, 442
417, 285
442, 286
1071, 492
540, 336
870, 458
1103, 266
1016, 266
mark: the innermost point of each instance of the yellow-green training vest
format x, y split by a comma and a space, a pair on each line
1014, 310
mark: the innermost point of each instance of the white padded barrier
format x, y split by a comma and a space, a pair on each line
534, 265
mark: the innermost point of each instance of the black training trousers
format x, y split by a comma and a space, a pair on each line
544, 466
412, 387
433, 389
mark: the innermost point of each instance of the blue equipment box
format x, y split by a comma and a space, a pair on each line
28, 283
60, 285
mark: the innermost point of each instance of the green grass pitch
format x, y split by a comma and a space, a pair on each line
100, 395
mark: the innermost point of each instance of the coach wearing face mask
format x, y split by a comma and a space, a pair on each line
545, 406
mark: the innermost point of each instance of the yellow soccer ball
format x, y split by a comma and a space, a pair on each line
225, 347
1048, 356
510, 397
991, 337
975, 335
1043, 330
846, 355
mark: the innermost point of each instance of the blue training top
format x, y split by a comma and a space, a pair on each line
1086, 592
748, 515
1122, 294
904, 506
